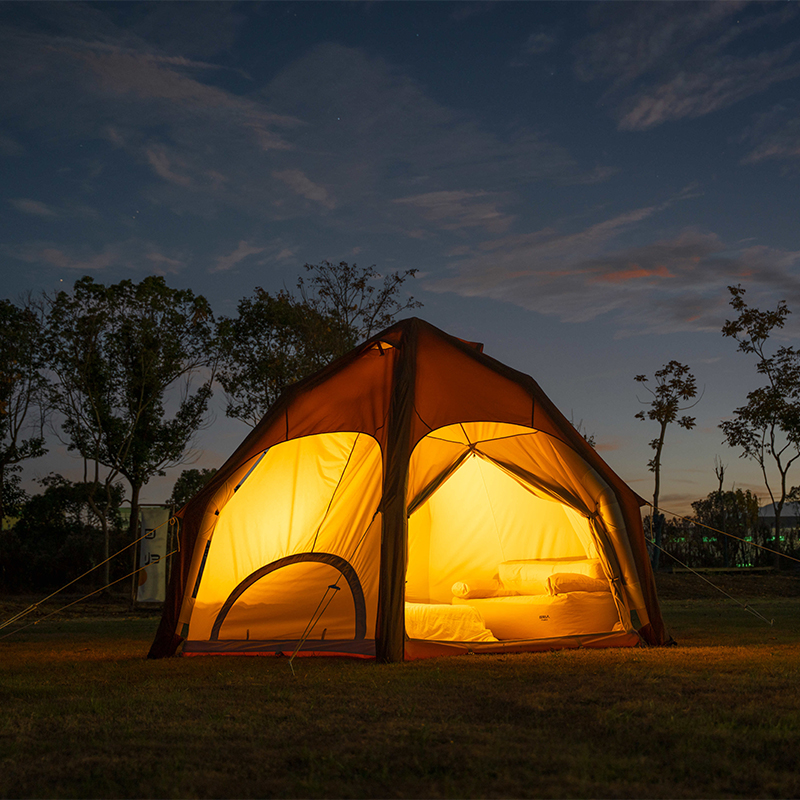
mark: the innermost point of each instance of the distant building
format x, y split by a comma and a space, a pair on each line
789, 515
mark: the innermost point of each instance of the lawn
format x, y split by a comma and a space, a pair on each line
84, 714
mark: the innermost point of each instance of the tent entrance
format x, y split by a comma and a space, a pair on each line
294, 555
495, 511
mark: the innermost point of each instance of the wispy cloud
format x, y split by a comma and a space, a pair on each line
670, 61
34, 207
63, 258
131, 255
671, 284
368, 127
458, 210
163, 264
541, 41
243, 251
336, 129
720, 84
774, 134
301, 185
10, 146
165, 167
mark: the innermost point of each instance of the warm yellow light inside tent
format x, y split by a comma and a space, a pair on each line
472, 521
478, 519
309, 498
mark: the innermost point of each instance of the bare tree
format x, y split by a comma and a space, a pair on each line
674, 384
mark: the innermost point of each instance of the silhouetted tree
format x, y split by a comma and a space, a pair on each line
273, 342
674, 384
188, 484
767, 428
279, 339
119, 353
734, 512
22, 397
56, 537
351, 296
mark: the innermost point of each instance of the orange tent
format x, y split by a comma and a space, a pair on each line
415, 497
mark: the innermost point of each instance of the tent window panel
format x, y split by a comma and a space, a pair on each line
282, 604
299, 491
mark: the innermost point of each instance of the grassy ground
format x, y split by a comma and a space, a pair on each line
85, 715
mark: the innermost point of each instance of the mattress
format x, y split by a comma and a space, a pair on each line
546, 616
442, 622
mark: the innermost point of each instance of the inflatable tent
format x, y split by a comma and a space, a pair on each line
414, 498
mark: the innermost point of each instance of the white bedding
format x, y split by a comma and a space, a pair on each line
546, 616
445, 623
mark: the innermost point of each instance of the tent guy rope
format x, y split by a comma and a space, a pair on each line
745, 606
31, 608
74, 602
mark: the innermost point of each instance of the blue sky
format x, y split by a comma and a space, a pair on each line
577, 184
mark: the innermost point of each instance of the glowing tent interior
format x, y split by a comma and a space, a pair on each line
414, 498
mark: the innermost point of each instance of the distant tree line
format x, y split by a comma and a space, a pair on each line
123, 376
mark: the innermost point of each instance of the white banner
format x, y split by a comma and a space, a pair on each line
152, 586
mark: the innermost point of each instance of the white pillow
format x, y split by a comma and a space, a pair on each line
540, 569
564, 582
473, 590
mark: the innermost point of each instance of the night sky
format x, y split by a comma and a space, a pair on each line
577, 184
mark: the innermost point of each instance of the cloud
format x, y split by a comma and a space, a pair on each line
163, 110
634, 272
633, 40
336, 129
244, 250
542, 41
722, 83
34, 207
84, 262
774, 135
10, 146
164, 265
300, 184
670, 61
599, 174
368, 126
671, 284
130, 256
458, 210
164, 167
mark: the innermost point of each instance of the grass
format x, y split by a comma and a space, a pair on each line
85, 715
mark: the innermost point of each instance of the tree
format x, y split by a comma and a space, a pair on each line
767, 428
22, 402
589, 438
350, 296
188, 484
734, 512
56, 537
277, 340
674, 384
273, 342
120, 354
